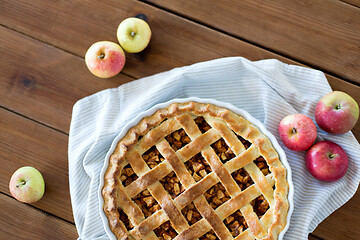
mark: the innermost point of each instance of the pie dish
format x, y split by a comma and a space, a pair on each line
195, 170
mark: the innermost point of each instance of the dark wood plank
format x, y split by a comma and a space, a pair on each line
355, 3
312, 237
20, 221
75, 25
43, 82
324, 34
343, 223
26, 143
176, 42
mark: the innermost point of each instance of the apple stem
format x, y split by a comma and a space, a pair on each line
332, 156
294, 130
337, 107
101, 56
133, 34
22, 183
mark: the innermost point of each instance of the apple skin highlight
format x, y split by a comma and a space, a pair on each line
27, 185
110, 63
105, 59
133, 34
297, 132
326, 161
337, 113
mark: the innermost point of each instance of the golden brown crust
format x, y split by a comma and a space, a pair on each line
224, 124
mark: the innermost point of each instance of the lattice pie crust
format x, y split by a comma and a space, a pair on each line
195, 171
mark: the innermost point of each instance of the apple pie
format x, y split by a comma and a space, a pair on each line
195, 171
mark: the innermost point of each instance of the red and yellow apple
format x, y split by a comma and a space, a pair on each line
27, 185
133, 34
297, 132
326, 161
337, 112
105, 59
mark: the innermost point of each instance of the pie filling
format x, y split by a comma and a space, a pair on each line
222, 150
165, 231
202, 124
191, 214
236, 223
147, 203
127, 175
198, 168
178, 139
216, 195
210, 235
172, 185
152, 157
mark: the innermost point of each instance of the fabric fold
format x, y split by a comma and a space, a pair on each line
268, 89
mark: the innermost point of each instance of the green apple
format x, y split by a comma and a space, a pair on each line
133, 34
27, 185
105, 59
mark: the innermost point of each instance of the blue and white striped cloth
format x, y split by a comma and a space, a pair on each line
268, 89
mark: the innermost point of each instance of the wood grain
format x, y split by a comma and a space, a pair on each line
324, 34
44, 82
312, 237
20, 221
26, 143
355, 3
74, 26
175, 43
343, 223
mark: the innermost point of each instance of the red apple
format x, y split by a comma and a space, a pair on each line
337, 112
326, 161
105, 59
297, 131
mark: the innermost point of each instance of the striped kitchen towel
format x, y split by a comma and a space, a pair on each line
268, 89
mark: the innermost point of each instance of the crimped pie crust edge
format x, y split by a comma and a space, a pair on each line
109, 190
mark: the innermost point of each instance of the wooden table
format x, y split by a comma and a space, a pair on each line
43, 74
